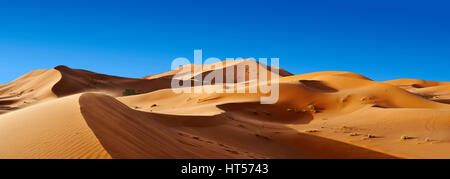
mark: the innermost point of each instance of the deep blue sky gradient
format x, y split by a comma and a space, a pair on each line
378, 38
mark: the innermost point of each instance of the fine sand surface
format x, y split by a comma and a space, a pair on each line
71, 113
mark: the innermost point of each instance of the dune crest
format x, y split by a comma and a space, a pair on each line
29, 89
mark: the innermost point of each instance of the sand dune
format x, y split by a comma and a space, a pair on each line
41, 85
75, 81
223, 68
71, 113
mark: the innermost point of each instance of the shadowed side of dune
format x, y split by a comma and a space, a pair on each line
75, 81
127, 133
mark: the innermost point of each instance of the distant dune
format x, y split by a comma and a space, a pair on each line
72, 113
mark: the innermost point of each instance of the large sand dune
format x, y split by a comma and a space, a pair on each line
70, 113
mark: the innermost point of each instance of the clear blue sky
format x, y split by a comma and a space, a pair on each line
382, 39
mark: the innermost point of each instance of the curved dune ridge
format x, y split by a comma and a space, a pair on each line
71, 113
75, 81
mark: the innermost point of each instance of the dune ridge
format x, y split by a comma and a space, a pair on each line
75, 81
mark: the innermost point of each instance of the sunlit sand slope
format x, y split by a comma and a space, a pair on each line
72, 113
